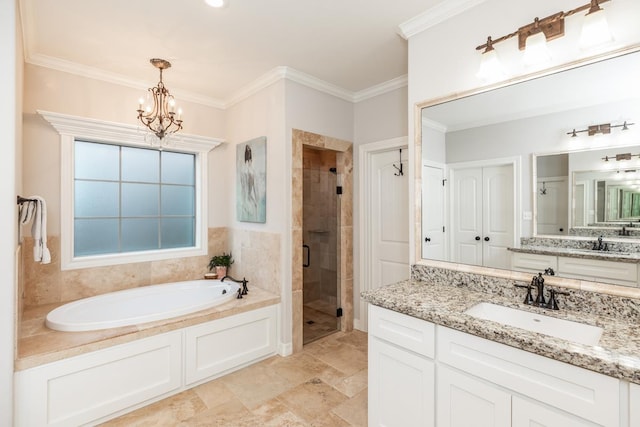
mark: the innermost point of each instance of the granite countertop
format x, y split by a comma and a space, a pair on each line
617, 353
580, 253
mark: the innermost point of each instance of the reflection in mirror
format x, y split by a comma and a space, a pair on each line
501, 169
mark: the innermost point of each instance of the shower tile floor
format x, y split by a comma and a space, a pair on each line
323, 385
317, 322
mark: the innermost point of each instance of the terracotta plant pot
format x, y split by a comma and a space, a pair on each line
221, 271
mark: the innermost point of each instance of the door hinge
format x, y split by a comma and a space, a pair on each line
339, 189
443, 229
339, 312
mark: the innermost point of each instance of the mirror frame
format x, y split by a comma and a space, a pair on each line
604, 288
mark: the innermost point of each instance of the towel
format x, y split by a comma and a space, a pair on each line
37, 211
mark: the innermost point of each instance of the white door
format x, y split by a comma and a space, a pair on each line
467, 216
465, 401
498, 215
433, 230
553, 209
389, 218
401, 387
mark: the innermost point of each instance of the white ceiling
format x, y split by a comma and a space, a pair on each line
215, 53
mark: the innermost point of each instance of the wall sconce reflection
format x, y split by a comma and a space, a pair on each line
604, 128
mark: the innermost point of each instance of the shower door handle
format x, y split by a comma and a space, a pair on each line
307, 263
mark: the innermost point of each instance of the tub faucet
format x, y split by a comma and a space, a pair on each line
244, 282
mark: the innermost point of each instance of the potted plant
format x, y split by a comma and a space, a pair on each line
221, 263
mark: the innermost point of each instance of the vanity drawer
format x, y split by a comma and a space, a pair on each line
533, 262
622, 272
578, 391
405, 331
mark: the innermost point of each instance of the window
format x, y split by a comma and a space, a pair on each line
125, 202
129, 199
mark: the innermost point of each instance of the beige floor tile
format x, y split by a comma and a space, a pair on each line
343, 357
329, 420
301, 367
256, 384
356, 338
354, 410
214, 393
231, 413
275, 413
353, 384
167, 412
312, 399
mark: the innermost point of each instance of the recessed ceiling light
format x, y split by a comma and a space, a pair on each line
217, 3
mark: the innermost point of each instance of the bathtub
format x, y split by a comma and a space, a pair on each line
140, 305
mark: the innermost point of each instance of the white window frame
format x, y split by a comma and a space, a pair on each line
72, 128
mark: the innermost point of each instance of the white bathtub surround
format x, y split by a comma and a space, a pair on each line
140, 305
136, 373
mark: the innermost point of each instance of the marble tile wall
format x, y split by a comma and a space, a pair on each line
44, 284
258, 257
588, 297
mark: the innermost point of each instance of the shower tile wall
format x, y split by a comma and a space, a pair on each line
320, 230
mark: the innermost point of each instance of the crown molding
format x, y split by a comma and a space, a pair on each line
381, 89
98, 74
434, 16
255, 86
318, 84
101, 130
434, 125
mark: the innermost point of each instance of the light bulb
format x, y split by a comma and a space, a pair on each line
595, 30
491, 69
217, 3
536, 51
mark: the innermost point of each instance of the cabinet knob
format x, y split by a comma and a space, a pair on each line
486, 239
427, 239
477, 237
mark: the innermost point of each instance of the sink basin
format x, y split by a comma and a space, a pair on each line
559, 328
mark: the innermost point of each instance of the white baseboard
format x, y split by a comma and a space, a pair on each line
285, 349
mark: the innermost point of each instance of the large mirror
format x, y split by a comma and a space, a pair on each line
557, 157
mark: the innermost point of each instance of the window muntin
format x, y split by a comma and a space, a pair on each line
130, 199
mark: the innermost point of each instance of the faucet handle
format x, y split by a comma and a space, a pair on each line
553, 302
529, 298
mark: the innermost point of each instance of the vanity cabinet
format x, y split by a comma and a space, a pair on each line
401, 370
478, 382
621, 273
464, 400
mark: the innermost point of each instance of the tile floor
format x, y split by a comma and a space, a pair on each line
323, 385
317, 322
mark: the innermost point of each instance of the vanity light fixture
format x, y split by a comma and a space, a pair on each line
604, 128
158, 111
621, 157
533, 37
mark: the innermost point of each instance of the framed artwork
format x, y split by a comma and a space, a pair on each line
251, 180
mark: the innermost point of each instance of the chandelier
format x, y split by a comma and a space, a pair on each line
158, 111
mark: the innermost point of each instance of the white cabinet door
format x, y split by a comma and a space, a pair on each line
526, 413
401, 387
465, 401
634, 405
